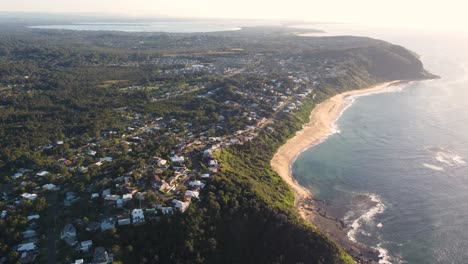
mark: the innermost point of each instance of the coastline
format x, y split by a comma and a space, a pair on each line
319, 127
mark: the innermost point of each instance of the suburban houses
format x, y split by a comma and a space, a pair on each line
153, 166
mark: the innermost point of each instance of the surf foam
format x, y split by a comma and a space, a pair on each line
449, 158
366, 217
383, 255
433, 167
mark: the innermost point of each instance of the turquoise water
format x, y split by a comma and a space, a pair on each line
406, 150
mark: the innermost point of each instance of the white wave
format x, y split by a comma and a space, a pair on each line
366, 217
384, 256
335, 129
347, 103
440, 158
448, 157
459, 160
433, 167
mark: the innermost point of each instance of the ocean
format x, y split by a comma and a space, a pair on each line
395, 171
172, 26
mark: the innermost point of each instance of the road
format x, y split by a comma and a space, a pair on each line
52, 228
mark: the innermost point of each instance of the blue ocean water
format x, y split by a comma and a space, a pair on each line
406, 151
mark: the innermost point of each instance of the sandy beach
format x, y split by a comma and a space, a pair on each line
321, 125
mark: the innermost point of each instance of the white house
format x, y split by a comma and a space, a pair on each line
43, 173
161, 162
123, 220
196, 184
32, 217
127, 197
49, 186
17, 175
113, 197
26, 247
29, 196
181, 206
233, 141
193, 194
177, 159
213, 162
138, 217
94, 195
86, 245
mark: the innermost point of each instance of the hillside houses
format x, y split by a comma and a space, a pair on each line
156, 166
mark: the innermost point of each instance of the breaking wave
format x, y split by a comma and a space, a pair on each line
366, 217
444, 158
433, 167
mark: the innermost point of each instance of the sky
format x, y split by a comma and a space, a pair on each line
399, 13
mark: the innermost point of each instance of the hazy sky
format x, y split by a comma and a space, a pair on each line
411, 13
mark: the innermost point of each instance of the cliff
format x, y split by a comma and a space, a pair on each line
391, 62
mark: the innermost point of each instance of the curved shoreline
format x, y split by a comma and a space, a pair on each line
321, 124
